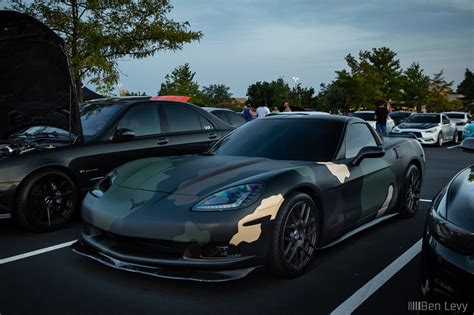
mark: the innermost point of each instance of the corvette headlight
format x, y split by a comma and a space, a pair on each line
231, 198
446, 232
432, 130
104, 184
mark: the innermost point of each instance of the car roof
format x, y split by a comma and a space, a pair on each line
365, 111
302, 113
339, 118
210, 109
463, 113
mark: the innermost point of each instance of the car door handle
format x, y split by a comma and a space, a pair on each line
212, 136
162, 141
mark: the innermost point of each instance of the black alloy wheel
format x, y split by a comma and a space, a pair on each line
47, 201
411, 191
440, 140
297, 235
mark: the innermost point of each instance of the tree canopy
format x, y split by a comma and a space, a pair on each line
99, 33
216, 93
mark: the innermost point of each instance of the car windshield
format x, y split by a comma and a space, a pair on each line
95, 116
423, 119
364, 116
455, 115
400, 114
283, 139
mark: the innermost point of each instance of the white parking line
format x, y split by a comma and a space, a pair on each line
353, 302
426, 200
452, 147
34, 253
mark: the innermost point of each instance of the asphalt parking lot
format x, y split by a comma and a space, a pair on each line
351, 276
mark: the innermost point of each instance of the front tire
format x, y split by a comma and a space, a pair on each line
296, 236
411, 189
46, 201
439, 143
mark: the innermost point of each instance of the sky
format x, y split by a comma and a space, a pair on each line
246, 41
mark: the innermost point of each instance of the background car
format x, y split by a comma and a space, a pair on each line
468, 131
250, 203
447, 270
300, 113
368, 115
460, 119
228, 116
429, 128
399, 116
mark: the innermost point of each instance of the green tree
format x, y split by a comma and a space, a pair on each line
466, 87
216, 93
98, 33
181, 82
415, 85
302, 96
438, 91
272, 93
379, 73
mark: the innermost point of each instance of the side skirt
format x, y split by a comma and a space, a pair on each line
360, 229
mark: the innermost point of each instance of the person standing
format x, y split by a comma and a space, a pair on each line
247, 113
380, 116
263, 111
286, 107
275, 110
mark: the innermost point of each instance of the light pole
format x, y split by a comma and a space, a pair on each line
296, 79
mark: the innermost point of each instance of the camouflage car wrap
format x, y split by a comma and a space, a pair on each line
146, 217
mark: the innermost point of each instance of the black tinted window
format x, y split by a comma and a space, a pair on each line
142, 119
358, 136
365, 116
181, 118
423, 118
221, 115
456, 115
284, 139
446, 120
94, 116
235, 119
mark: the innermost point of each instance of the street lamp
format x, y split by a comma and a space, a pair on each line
296, 79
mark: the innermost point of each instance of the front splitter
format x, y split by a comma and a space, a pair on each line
161, 272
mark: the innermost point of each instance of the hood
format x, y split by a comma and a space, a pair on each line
460, 200
417, 125
195, 175
35, 81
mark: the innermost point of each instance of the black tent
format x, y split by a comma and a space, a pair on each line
88, 95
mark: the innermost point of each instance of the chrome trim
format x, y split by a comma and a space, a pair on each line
5, 216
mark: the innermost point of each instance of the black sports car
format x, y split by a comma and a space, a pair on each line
269, 194
447, 255
52, 149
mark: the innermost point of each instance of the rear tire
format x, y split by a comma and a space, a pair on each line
295, 237
410, 193
46, 201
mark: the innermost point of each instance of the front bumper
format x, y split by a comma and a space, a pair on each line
166, 259
7, 196
449, 273
422, 136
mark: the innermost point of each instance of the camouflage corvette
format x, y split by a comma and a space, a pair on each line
269, 194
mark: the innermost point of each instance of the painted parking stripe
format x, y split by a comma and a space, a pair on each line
426, 200
353, 302
452, 147
34, 253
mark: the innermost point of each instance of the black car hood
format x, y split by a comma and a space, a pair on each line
35, 80
460, 200
417, 125
195, 175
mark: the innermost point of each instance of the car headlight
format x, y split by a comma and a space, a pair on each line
231, 198
103, 185
446, 232
432, 130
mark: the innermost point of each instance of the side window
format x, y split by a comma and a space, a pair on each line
357, 137
221, 115
181, 118
142, 119
235, 119
445, 120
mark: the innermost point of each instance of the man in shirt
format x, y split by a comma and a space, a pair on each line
247, 114
263, 111
380, 116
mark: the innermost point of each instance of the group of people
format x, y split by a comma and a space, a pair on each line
250, 113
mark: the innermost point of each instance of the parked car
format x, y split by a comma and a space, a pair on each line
228, 116
460, 119
52, 150
368, 115
300, 113
250, 203
447, 268
399, 116
432, 128
468, 131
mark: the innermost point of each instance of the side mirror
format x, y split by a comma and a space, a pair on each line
467, 144
368, 152
123, 134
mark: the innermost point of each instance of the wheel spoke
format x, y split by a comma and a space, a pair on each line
305, 251
293, 253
